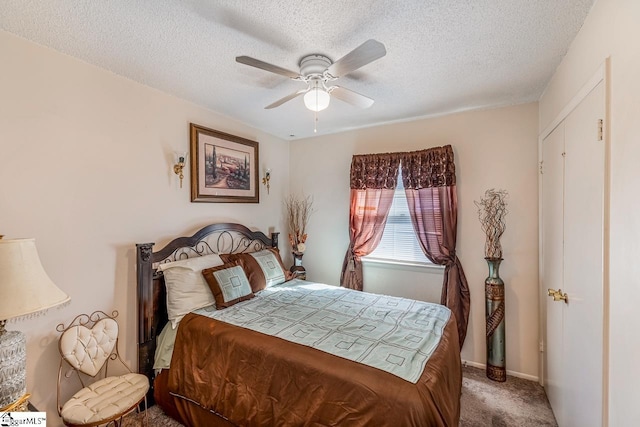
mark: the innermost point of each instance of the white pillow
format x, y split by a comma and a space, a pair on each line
186, 288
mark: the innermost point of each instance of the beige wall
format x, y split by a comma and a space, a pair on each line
86, 159
493, 149
611, 29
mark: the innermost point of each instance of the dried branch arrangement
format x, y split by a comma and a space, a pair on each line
299, 209
491, 211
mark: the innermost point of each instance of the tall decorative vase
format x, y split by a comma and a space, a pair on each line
494, 291
297, 269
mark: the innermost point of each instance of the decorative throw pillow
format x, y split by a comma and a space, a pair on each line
186, 288
263, 268
229, 284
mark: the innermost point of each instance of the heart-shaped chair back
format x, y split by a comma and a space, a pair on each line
87, 349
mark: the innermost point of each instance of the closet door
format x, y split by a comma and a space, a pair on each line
584, 261
553, 262
573, 262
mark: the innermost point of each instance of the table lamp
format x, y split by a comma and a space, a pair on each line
25, 289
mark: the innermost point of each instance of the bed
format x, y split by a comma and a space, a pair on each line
223, 372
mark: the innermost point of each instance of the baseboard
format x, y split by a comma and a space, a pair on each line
512, 373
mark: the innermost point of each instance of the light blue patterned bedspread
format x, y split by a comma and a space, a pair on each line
396, 335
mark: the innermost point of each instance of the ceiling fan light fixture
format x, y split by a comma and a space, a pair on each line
317, 99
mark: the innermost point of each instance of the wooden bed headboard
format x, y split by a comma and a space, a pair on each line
152, 297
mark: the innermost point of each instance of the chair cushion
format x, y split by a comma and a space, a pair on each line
106, 399
87, 349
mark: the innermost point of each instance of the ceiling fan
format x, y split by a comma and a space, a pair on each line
318, 71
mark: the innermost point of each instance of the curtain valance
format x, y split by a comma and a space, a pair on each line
428, 168
433, 167
375, 171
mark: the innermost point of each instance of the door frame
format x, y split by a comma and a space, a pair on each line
602, 74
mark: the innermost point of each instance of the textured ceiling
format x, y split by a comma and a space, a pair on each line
442, 55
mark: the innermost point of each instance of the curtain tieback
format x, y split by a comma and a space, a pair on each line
351, 265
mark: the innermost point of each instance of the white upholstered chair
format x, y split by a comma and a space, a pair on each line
87, 345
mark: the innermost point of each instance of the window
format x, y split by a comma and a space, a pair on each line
399, 242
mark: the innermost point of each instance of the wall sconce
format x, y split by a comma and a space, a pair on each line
266, 178
181, 160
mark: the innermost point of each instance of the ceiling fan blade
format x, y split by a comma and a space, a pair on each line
367, 52
353, 98
281, 101
247, 60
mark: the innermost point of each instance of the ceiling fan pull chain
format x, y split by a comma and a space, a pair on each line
315, 112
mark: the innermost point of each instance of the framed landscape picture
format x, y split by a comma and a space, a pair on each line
224, 167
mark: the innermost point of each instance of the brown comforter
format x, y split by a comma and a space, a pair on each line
227, 375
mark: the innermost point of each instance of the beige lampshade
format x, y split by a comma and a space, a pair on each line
25, 287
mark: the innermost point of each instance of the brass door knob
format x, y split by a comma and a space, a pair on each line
558, 295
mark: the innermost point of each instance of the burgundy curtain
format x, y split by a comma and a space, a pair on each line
429, 179
373, 182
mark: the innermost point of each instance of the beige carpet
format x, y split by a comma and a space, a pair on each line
516, 402
484, 403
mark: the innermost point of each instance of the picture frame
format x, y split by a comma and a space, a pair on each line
224, 167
